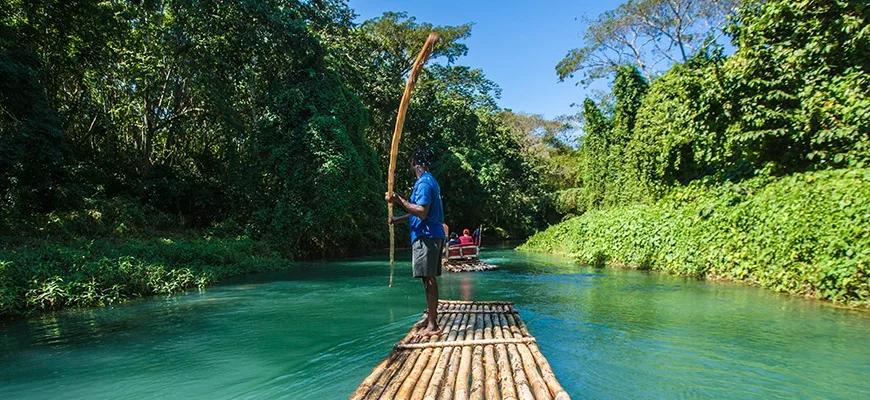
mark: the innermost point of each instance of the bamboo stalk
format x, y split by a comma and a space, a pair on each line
430, 357
477, 371
367, 383
524, 391
460, 343
491, 392
407, 367
482, 303
508, 387
476, 312
397, 134
539, 386
546, 371
422, 387
441, 368
453, 368
381, 385
462, 374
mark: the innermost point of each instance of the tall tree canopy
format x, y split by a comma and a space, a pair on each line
651, 34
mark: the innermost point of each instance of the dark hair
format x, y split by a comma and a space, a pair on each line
421, 157
453, 235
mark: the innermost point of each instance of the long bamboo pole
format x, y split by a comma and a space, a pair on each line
524, 390
535, 380
428, 375
546, 371
462, 374
430, 356
397, 134
432, 392
476, 392
366, 385
453, 366
491, 382
397, 380
469, 342
508, 387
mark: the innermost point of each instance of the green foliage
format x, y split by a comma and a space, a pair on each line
799, 83
804, 233
679, 135
794, 97
50, 276
200, 110
607, 178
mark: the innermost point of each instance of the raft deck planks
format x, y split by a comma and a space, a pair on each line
484, 352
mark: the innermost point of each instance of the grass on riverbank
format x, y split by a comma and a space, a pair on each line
52, 275
806, 234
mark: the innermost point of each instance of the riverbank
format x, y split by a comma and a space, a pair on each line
49, 275
806, 234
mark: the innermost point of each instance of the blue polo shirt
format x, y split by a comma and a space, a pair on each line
427, 192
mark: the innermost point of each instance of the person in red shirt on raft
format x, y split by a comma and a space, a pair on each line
466, 238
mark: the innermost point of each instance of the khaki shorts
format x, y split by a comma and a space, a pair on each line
426, 257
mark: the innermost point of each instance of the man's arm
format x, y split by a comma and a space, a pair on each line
399, 219
412, 209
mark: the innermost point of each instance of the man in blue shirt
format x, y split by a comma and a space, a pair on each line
425, 217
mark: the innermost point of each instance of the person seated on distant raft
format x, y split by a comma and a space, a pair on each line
454, 239
466, 238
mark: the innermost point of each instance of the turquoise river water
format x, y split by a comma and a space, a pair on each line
315, 332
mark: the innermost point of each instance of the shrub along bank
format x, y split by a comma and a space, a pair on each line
50, 275
807, 234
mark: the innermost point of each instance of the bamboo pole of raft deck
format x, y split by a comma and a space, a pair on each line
538, 384
454, 372
465, 360
546, 371
381, 384
508, 388
524, 391
476, 392
410, 362
387, 373
462, 343
397, 134
432, 390
482, 303
453, 366
404, 391
417, 373
428, 374
370, 380
491, 391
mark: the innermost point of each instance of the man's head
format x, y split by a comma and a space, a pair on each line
420, 159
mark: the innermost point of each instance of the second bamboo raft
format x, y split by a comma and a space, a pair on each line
484, 352
473, 265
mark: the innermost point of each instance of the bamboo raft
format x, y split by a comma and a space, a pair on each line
467, 265
484, 352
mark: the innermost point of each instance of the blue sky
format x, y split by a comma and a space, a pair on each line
516, 43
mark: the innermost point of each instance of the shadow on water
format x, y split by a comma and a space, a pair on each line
316, 331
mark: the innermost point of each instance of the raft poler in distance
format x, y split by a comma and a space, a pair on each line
463, 253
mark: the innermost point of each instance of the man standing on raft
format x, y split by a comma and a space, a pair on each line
425, 216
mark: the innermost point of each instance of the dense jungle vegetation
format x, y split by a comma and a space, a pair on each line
147, 146
749, 167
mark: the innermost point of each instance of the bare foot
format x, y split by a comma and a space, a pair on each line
422, 324
429, 331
